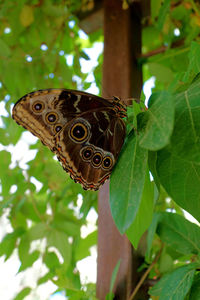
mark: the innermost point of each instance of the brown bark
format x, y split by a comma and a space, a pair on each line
122, 78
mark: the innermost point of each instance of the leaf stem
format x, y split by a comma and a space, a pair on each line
145, 274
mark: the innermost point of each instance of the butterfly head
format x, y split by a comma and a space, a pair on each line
120, 107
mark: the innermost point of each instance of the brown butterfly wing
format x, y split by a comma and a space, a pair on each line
90, 161
53, 114
62, 103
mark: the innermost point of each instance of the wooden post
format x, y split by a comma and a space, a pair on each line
122, 78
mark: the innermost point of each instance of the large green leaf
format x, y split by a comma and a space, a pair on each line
156, 124
178, 233
178, 165
176, 284
127, 183
144, 216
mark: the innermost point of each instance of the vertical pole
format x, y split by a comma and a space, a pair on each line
122, 78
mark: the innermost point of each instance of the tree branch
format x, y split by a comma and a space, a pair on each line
162, 49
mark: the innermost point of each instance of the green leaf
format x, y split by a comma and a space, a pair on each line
166, 263
152, 159
36, 232
18, 220
82, 249
50, 60
164, 10
180, 12
4, 137
163, 73
59, 240
52, 10
178, 233
4, 49
51, 260
14, 85
155, 7
26, 207
84, 55
48, 276
89, 200
13, 131
6, 181
27, 15
114, 275
178, 165
23, 293
144, 216
156, 124
194, 62
110, 295
63, 222
127, 183
195, 289
151, 233
80, 295
54, 237
27, 260
8, 243
176, 284
147, 33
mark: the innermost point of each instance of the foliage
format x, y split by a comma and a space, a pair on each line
169, 132
35, 37
40, 41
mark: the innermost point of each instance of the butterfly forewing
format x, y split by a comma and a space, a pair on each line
85, 131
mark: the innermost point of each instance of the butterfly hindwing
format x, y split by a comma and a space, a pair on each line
90, 160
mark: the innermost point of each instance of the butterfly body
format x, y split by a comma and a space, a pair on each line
85, 131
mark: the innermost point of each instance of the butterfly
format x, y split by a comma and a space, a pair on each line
85, 131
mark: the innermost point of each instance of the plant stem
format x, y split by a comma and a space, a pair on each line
145, 274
